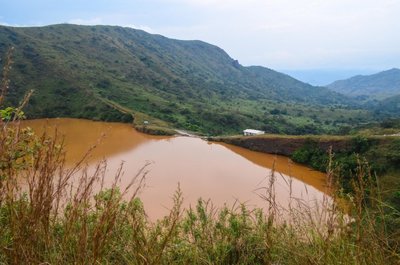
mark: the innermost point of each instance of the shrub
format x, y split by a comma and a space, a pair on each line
312, 155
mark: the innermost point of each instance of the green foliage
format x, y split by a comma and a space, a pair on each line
390, 123
312, 155
393, 154
155, 130
85, 71
359, 145
381, 156
10, 113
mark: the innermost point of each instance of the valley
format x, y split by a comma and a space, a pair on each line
128, 149
96, 72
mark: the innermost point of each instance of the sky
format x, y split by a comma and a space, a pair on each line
296, 36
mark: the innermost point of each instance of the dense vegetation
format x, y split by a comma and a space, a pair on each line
381, 156
95, 71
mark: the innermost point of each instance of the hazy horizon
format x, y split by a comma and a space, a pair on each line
324, 77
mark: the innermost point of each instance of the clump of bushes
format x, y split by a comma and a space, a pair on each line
382, 156
155, 130
312, 155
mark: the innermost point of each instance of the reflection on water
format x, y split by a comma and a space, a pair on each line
283, 165
220, 172
80, 135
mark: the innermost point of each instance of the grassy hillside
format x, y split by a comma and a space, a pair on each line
377, 86
88, 71
387, 106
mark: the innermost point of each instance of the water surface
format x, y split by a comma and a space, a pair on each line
216, 171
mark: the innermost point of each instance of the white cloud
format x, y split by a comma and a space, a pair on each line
86, 21
141, 27
20, 25
296, 34
213, 3
109, 20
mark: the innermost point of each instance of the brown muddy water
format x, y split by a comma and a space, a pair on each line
224, 173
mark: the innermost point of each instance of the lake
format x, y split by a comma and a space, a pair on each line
224, 173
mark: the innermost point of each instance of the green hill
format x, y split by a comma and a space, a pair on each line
389, 106
97, 71
377, 86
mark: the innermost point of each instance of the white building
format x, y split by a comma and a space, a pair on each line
252, 132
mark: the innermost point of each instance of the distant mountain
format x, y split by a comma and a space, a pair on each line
323, 77
88, 71
377, 86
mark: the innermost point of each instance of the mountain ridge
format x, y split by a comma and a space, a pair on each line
380, 85
189, 84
